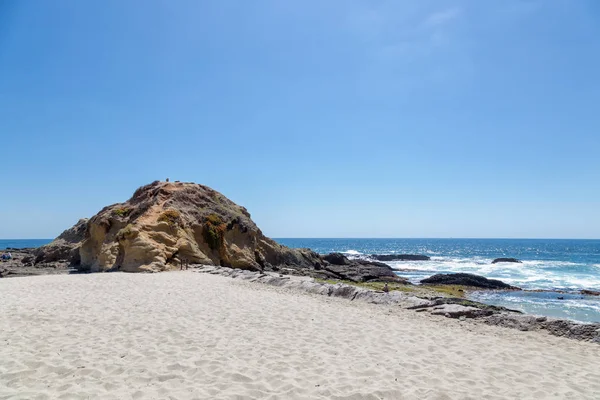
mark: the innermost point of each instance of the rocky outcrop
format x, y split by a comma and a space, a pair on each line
400, 257
358, 270
22, 264
466, 280
590, 292
556, 327
364, 271
336, 259
457, 311
506, 260
167, 224
65, 247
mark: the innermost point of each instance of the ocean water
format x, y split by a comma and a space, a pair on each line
22, 243
549, 265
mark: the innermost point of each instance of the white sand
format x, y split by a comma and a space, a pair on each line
186, 335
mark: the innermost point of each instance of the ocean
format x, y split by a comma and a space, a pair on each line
548, 265
22, 243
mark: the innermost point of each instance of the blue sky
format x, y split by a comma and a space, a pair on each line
324, 118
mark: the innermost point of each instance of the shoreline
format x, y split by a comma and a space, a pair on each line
449, 307
188, 334
23, 264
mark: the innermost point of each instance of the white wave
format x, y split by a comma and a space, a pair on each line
530, 274
549, 264
352, 252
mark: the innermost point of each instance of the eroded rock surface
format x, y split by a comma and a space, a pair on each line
165, 225
65, 247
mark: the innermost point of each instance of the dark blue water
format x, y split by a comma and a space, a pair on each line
22, 243
566, 265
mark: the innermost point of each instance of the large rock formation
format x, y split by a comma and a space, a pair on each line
166, 224
65, 247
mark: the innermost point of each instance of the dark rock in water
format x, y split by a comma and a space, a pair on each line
376, 263
560, 298
466, 280
400, 257
508, 260
364, 271
359, 270
590, 292
336, 259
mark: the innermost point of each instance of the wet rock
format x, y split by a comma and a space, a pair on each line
336, 259
590, 292
556, 327
400, 257
506, 260
466, 280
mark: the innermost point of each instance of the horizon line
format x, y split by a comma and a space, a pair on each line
388, 238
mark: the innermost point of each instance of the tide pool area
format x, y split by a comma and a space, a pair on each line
549, 265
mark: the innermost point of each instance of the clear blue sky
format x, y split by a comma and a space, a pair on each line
324, 118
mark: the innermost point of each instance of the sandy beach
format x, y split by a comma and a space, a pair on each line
187, 335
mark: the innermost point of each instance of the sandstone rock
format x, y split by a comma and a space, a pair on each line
466, 280
457, 310
400, 257
65, 247
165, 224
507, 260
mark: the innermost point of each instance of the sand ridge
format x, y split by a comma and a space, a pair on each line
186, 335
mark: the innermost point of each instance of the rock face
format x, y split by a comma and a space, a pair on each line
457, 311
400, 257
336, 259
466, 280
65, 247
165, 224
509, 260
556, 327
